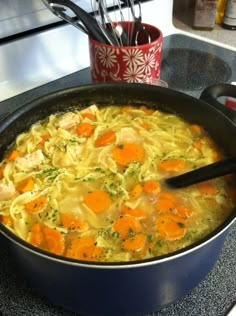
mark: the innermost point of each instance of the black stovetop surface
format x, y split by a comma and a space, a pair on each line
184, 70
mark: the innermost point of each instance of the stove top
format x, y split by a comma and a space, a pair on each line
190, 65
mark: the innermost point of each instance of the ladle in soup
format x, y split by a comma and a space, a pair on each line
212, 171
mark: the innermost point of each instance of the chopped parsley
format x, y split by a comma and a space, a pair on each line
50, 174
115, 235
159, 244
99, 170
131, 233
149, 238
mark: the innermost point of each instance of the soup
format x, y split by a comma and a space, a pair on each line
87, 185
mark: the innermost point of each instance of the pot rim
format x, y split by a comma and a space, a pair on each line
111, 265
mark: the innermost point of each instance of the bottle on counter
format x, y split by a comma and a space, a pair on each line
229, 21
220, 11
204, 14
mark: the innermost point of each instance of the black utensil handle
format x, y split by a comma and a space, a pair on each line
87, 20
211, 94
97, 31
214, 170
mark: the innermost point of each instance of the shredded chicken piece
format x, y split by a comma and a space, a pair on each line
68, 120
30, 161
6, 191
128, 135
90, 109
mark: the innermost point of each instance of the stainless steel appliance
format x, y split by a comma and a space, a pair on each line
40, 55
18, 16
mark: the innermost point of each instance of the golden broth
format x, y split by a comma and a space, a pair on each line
88, 185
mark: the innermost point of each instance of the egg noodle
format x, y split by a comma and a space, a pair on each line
87, 184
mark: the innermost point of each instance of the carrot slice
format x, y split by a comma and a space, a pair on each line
163, 205
2, 167
47, 238
151, 186
136, 212
84, 249
126, 226
195, 129
198, 145
126, 109
25, 185
206, 188
136, 243
89, 116
107, 138
170, 226
124, 154
84, 242
85, 129
72, 222
36, 238
6, 220
54, 241
146, 110
36, 205
44, 138
171, 165
136, 192
165, 195
13, 155
145, 126
97, 201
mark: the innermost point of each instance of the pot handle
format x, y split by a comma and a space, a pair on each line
211, 94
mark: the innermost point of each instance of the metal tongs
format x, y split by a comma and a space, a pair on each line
80, 19
100, 9
140, 34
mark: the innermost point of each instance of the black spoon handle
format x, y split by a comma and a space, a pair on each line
214, 170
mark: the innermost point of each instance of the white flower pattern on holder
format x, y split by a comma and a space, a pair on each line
107, 56
133, 57
149, 62
133, 73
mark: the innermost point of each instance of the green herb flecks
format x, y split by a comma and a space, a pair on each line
132, 170
51, 215
131, 233
62, 147
149, 238
105, 232
159, 244
115, 235
99, 170
73, 141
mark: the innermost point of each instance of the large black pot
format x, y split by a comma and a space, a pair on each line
135, 287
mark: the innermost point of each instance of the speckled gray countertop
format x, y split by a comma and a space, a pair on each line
214, 296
